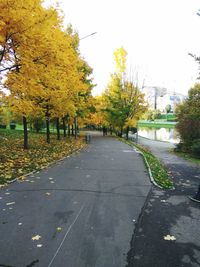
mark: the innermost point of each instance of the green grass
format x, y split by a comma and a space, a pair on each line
16, 162
20, 127
156, 124
159, 172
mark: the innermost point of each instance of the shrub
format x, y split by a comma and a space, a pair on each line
3, 126
179, 147
189, 130
196, 148
12, 126
188, 114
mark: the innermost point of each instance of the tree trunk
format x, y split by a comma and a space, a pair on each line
64, 127
48, 130
72, 129
58, 128
121, 132
111, 130
25, 133
68, 130
76, 127
127, 130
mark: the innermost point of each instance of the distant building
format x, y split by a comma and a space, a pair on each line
159, 98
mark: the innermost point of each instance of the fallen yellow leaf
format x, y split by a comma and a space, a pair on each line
36, 237
169, 237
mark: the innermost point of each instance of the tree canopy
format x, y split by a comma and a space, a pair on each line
46, 75
122, 103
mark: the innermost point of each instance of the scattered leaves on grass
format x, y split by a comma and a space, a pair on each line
16, 162
169, 238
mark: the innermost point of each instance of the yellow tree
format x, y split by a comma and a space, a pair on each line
43, 75
120, 61
100, 117
125, 103
85, 99
73, 89
22, 23
45, 78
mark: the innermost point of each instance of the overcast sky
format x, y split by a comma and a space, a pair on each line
157, 34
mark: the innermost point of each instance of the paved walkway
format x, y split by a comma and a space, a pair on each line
79, 212
169, 214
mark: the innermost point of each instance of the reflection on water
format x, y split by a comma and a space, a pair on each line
160, 134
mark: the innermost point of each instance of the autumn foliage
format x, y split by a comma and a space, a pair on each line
16, 162
122, 104
46, 76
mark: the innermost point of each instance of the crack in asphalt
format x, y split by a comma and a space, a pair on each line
4, 265
79, 190
102, 170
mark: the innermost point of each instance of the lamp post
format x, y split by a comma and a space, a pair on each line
87, 35
75, 119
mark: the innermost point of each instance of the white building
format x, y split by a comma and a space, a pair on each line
159, 98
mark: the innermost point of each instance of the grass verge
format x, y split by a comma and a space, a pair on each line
187, 157
156, 125
159, 172
16, 162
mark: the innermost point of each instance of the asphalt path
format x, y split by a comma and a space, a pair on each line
79, 212
167, 233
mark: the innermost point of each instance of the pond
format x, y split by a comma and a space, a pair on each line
159, 134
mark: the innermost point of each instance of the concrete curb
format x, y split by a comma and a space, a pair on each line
148, 168
150, 173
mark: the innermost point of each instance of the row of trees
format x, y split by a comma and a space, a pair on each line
122, 103
41, 66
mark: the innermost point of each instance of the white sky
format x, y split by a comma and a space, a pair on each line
157, 34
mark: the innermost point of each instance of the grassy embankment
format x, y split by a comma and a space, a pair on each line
159, 172
165, 121
16, 162
156, 124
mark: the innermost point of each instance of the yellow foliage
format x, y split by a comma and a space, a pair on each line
46, 73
